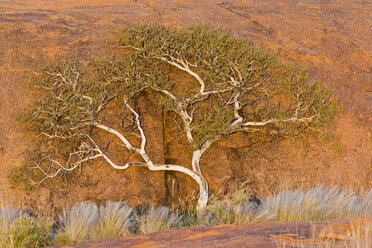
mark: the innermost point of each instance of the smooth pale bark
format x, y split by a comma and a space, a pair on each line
195, 173
203, 186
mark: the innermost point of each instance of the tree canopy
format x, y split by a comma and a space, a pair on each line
214, 84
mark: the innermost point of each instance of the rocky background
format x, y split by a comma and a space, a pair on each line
331, 38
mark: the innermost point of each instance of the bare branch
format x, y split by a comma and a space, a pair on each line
271, 121
119, 135
184, 67
139, 127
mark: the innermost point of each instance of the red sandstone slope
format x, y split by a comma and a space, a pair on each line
331, 38
269, 235
253, 236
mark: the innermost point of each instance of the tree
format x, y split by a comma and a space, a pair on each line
213, 84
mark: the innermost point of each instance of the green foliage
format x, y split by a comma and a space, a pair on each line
338, 147
239, 197
23, 231
328, 136
267, 89
63, 112
22, 177
128, 76
189, 217
212, 124
175, 63
26, 232
218, 213
206, 46
312, 95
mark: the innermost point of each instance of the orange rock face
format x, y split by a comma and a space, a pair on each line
331, 38
269, 235
252, 236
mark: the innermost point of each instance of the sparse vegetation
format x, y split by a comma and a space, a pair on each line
21, 176
115, 219
87, 222
27, 232
316, 204
84, 221
77, 223
227, 85
21, 230
157, 219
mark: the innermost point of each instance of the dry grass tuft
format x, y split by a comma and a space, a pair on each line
114, 221
76, 223
157, 219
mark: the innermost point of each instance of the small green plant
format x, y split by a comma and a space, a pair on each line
26, 232
189, 217
328, 136
239, 197
338, 147
21, 177
19, 230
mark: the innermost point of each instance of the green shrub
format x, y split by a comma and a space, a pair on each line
26, 232
21, 230
21, 177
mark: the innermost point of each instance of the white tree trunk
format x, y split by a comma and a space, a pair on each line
203, 197
203, 186
195, 173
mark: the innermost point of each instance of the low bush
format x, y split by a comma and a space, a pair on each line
27, 232
21, 230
